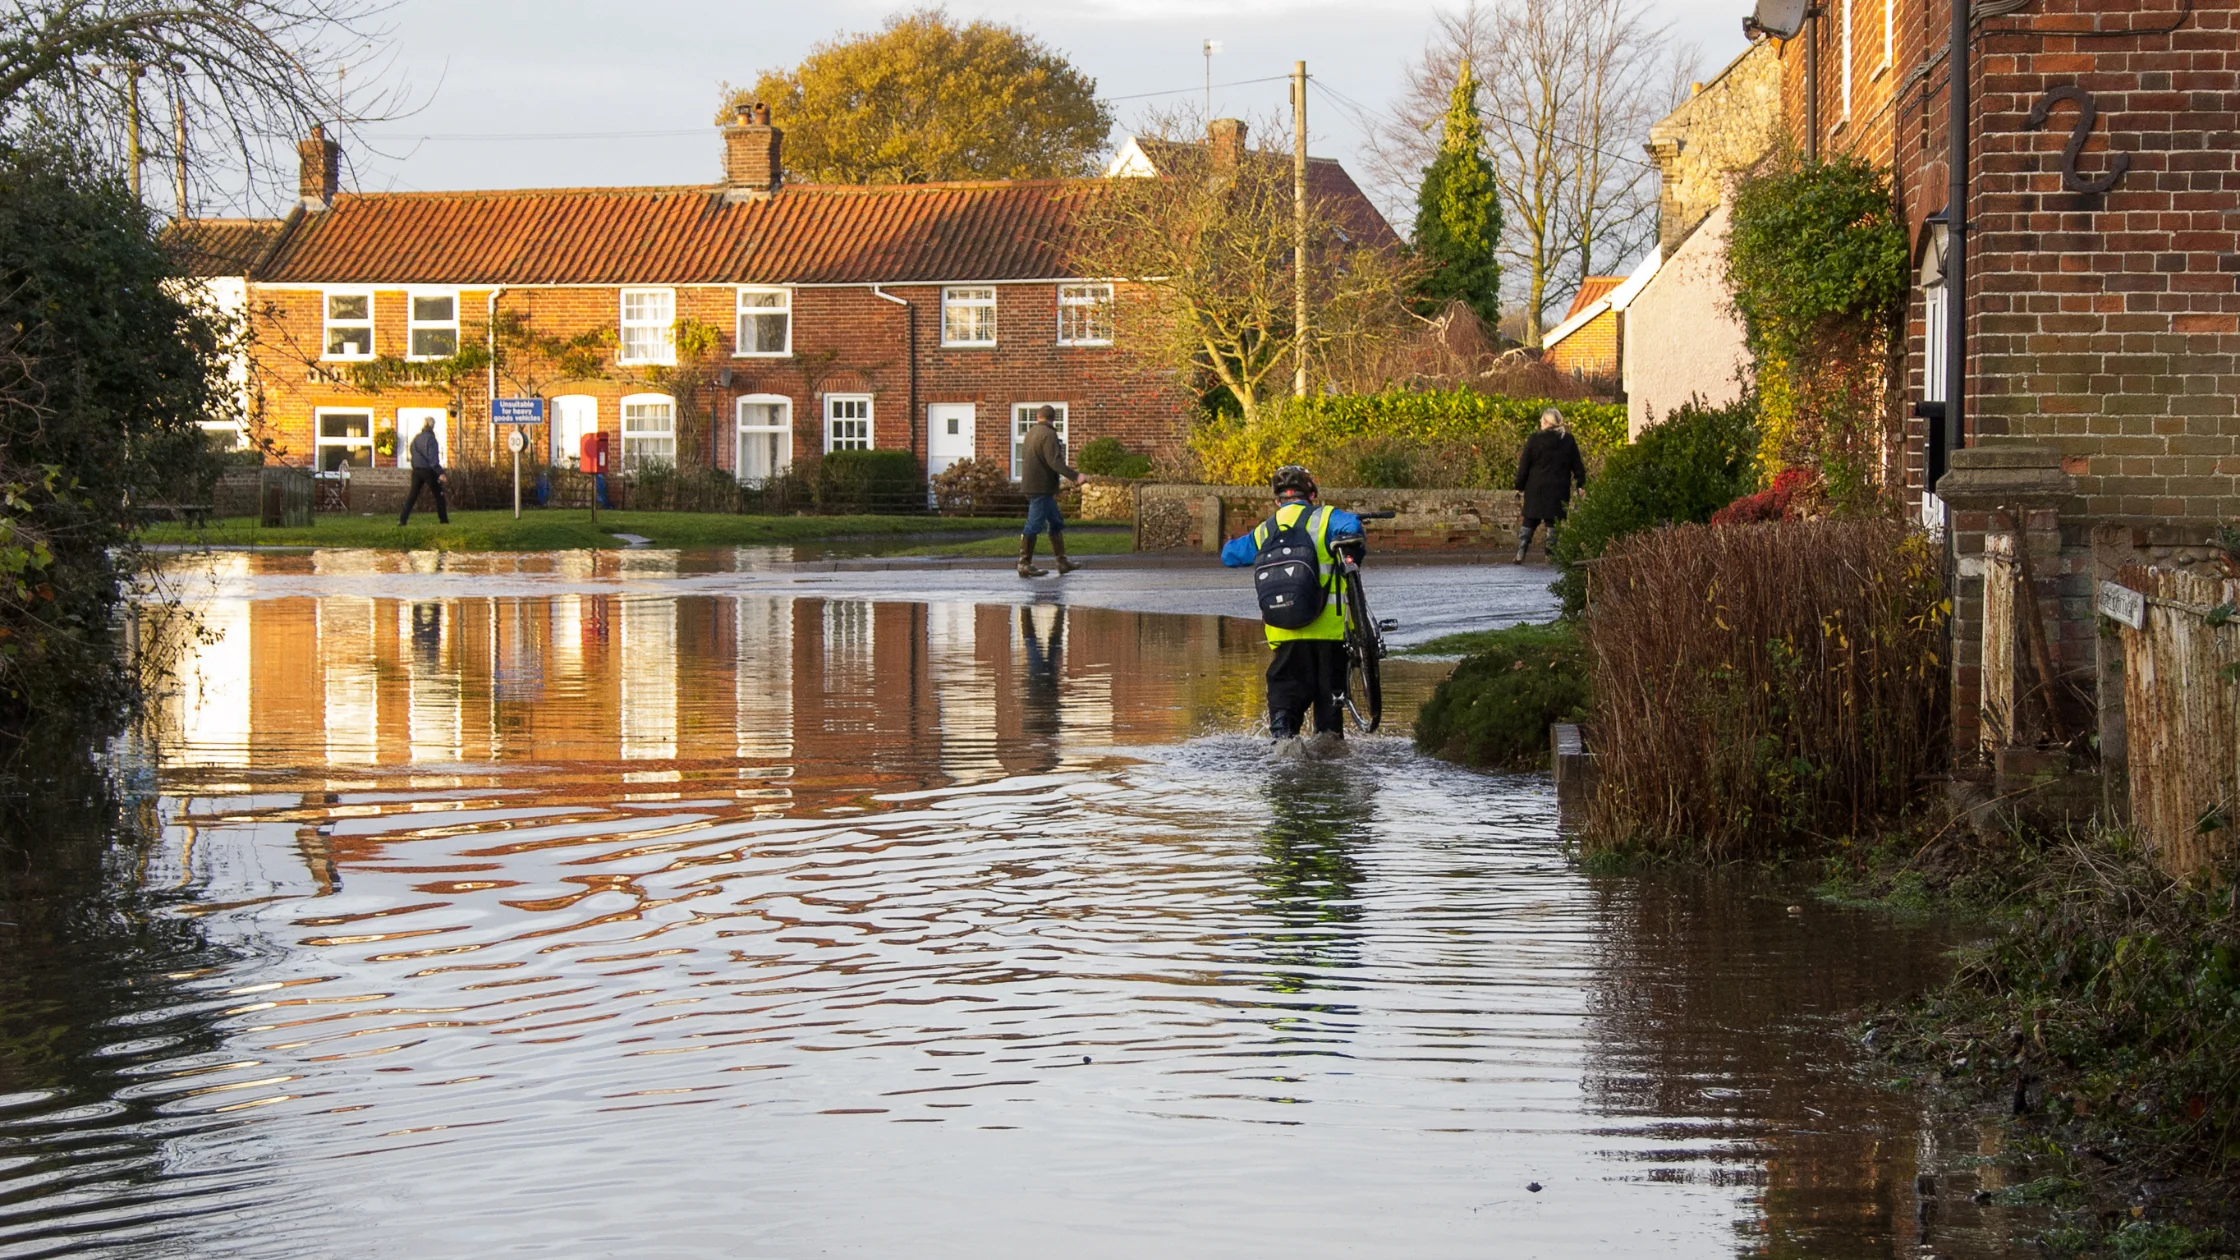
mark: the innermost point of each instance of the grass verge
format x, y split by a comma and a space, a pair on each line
1495, 709
2101, 1023
564, 530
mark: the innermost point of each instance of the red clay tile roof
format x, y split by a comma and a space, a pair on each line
1591, 290
806, 234
1327, 182
219, 247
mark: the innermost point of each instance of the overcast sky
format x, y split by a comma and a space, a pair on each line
527, 93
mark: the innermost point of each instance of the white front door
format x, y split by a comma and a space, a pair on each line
408, 428
573, 415
949, 430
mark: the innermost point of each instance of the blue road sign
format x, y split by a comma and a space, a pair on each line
517, 411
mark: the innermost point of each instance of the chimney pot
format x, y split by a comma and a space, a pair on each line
319, 172
751, 153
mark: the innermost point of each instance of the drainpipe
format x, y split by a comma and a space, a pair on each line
490, 399
1812, 85
1956, 237
910, 317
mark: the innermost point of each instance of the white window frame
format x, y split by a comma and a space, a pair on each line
1022, 416
565, 453
965, 297
413, 323
1085, 296
328, 325
321, 443
739, 330
833, 440
631, 458
741, 429
1889, 32
665, 328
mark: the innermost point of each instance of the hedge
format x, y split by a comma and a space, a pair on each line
1402, 439
870, 481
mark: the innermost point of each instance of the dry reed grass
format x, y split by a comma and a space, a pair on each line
1757, 685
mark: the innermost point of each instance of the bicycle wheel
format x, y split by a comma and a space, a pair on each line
1364, 692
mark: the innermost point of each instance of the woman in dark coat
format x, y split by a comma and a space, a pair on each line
1546, 471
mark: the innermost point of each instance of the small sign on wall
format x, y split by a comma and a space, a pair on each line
2121, 603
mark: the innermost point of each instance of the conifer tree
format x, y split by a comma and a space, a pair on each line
1458, 212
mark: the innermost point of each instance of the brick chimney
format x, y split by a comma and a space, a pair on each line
1225, 143
751, 170
320, 172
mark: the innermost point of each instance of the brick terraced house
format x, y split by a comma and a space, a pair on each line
745, 325
2103, 316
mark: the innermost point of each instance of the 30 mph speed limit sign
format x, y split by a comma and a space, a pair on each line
517, 441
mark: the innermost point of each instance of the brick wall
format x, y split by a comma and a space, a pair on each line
2104, 327
845, 340
1591, 351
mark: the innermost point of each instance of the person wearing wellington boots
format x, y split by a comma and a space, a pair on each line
1042, 465
1309, 668
1547, 468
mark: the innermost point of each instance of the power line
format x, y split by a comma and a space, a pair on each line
1363, 113
492, 137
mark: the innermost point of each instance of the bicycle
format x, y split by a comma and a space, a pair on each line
1362, 693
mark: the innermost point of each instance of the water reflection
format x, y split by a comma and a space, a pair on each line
1319, 816
609, 922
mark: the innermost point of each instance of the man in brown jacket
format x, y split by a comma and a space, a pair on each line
1042, 465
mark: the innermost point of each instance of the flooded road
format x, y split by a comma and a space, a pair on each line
687, 907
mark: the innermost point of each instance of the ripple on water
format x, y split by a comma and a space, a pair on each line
1073, 978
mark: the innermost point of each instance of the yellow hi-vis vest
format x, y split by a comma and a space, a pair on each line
1331, 624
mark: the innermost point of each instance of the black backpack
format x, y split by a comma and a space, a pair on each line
1288, 574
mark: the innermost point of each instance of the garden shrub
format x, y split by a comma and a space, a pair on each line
1497, 706
977, 487
870, 481
107, 371
1817, 260
1681, 471
1106, 457
1759, 684
1451, 438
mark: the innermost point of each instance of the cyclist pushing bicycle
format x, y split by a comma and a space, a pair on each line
1306, 560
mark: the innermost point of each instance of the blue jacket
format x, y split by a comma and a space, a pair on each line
1241, 551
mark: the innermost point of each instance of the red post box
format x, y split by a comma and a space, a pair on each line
592, 458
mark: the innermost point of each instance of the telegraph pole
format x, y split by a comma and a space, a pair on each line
134, 155
1299, 222
179, 147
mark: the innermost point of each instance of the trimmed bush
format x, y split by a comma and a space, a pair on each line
1697, 461
1760, 685
1456, 438
1497, 706
1106, 457
977, 487
870, 481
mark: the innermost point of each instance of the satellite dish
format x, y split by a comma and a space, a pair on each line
1781, 19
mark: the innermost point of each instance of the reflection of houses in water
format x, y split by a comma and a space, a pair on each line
679, 687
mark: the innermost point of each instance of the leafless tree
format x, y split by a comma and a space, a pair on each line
1203, 257
1571, 88
204, 84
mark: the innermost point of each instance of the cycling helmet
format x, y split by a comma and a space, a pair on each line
1295, 478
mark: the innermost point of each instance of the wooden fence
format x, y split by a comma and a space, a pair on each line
2181, 705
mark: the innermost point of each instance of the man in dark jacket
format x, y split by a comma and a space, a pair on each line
1042, 465
427, 470
1546, 470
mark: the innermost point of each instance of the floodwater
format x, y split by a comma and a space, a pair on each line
701, 906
